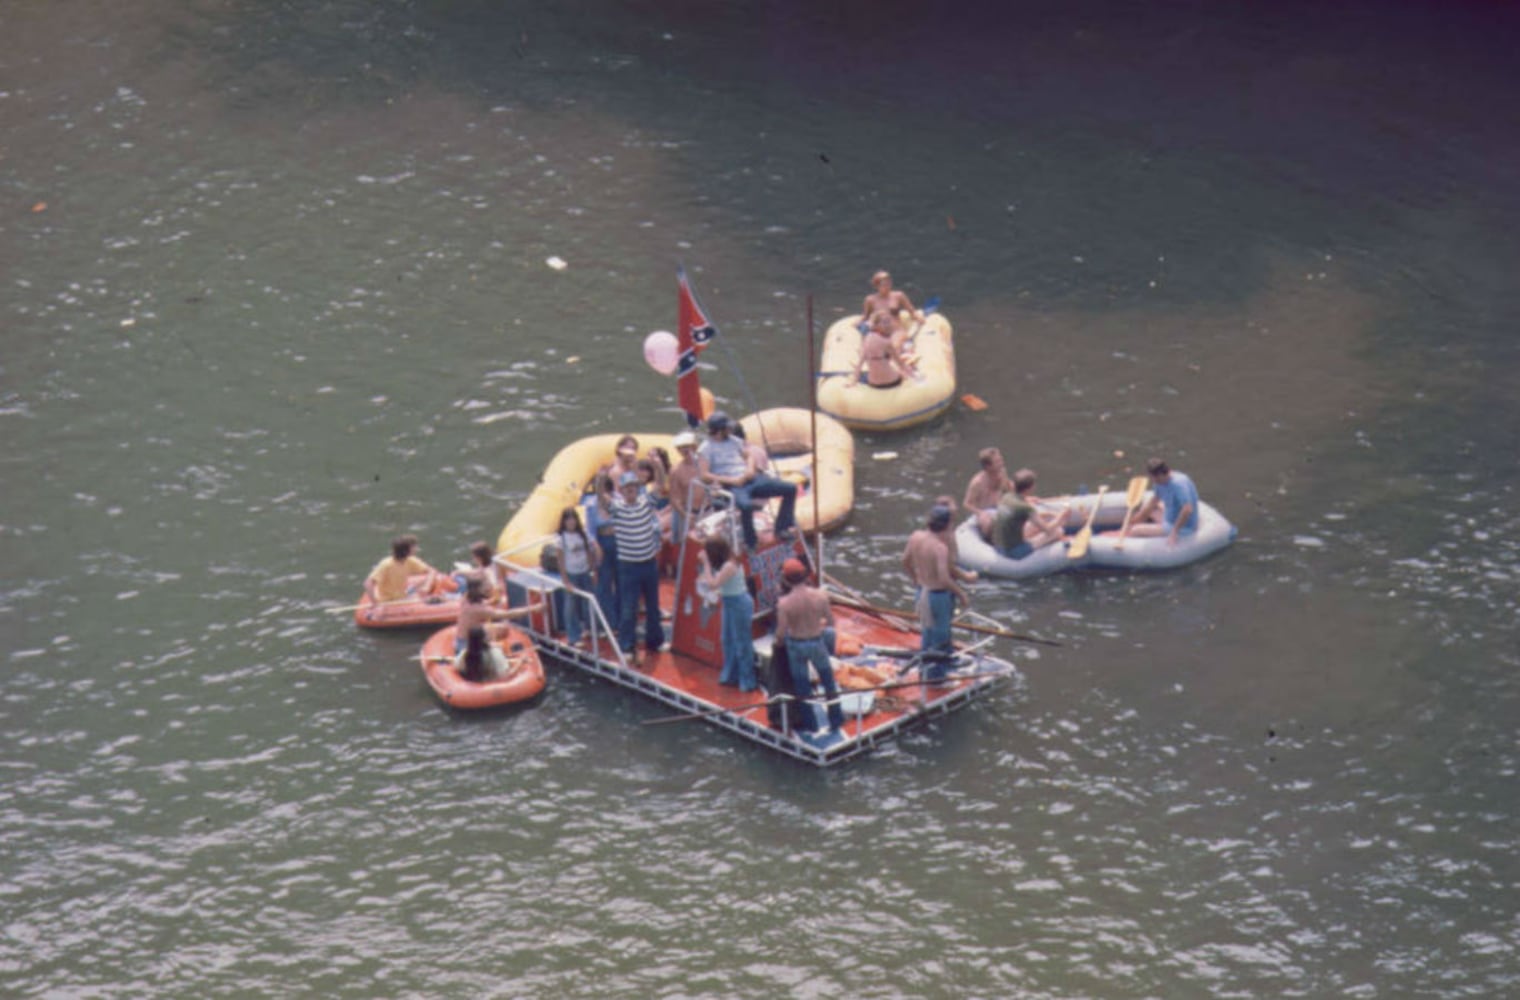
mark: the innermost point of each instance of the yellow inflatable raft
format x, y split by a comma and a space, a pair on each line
786, 433
912, 401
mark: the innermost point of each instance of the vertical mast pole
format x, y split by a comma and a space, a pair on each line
813, 421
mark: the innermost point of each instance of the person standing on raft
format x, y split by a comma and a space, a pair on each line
926, 561
802, 617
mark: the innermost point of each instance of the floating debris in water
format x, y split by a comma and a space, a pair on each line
557, 263
884, 456
573, 359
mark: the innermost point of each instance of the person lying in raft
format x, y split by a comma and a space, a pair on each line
881, 364
483, 660
1018, 527
1172, 509
392, 578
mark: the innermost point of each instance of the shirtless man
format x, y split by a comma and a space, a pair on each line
801, 617
986, 488
948, 535
880, 357
926, 560
886, 299
686, 472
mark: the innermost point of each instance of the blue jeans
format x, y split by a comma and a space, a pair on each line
764, 487
801, 652
936, 635
639, 581
575, 606
738, 643
607, 579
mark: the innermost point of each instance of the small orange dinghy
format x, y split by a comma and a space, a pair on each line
438, 607
524, 681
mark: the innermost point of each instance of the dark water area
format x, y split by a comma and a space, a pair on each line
274, 286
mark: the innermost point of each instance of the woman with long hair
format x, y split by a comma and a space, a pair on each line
725, 574
579, 555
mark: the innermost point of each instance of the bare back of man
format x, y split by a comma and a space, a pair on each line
802, 614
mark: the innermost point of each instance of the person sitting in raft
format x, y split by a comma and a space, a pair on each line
1019, 527
483, 558
391, 579
886, 299
685, 487
1172, 509
725, 461
801, 618
481, 660
722, 573
986, 488
881, 364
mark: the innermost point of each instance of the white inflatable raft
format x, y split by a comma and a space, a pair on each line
1103, 551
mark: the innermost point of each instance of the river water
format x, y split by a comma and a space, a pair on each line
273, 287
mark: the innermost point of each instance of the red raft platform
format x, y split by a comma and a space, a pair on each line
884, 682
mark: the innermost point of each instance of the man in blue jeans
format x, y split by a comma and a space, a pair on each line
926, 560
802, 619
637, 527
725, 461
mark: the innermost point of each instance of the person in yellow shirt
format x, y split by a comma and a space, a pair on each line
391, 578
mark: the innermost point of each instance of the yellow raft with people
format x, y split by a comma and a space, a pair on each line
914, 400
786, 432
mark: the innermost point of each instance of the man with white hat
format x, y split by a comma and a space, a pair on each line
686, 475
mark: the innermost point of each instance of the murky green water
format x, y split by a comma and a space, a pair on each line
273, 287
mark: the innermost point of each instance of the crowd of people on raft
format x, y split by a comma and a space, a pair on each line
642, 506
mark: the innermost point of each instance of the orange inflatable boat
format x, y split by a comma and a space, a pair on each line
525, 681
439, 607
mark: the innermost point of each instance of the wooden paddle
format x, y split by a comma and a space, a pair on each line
1132, 501
1078, 547
912, 616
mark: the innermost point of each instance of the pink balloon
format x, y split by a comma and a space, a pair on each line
662, 351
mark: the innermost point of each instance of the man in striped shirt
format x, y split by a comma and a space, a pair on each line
637, 527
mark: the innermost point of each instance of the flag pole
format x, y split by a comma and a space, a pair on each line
813, 419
